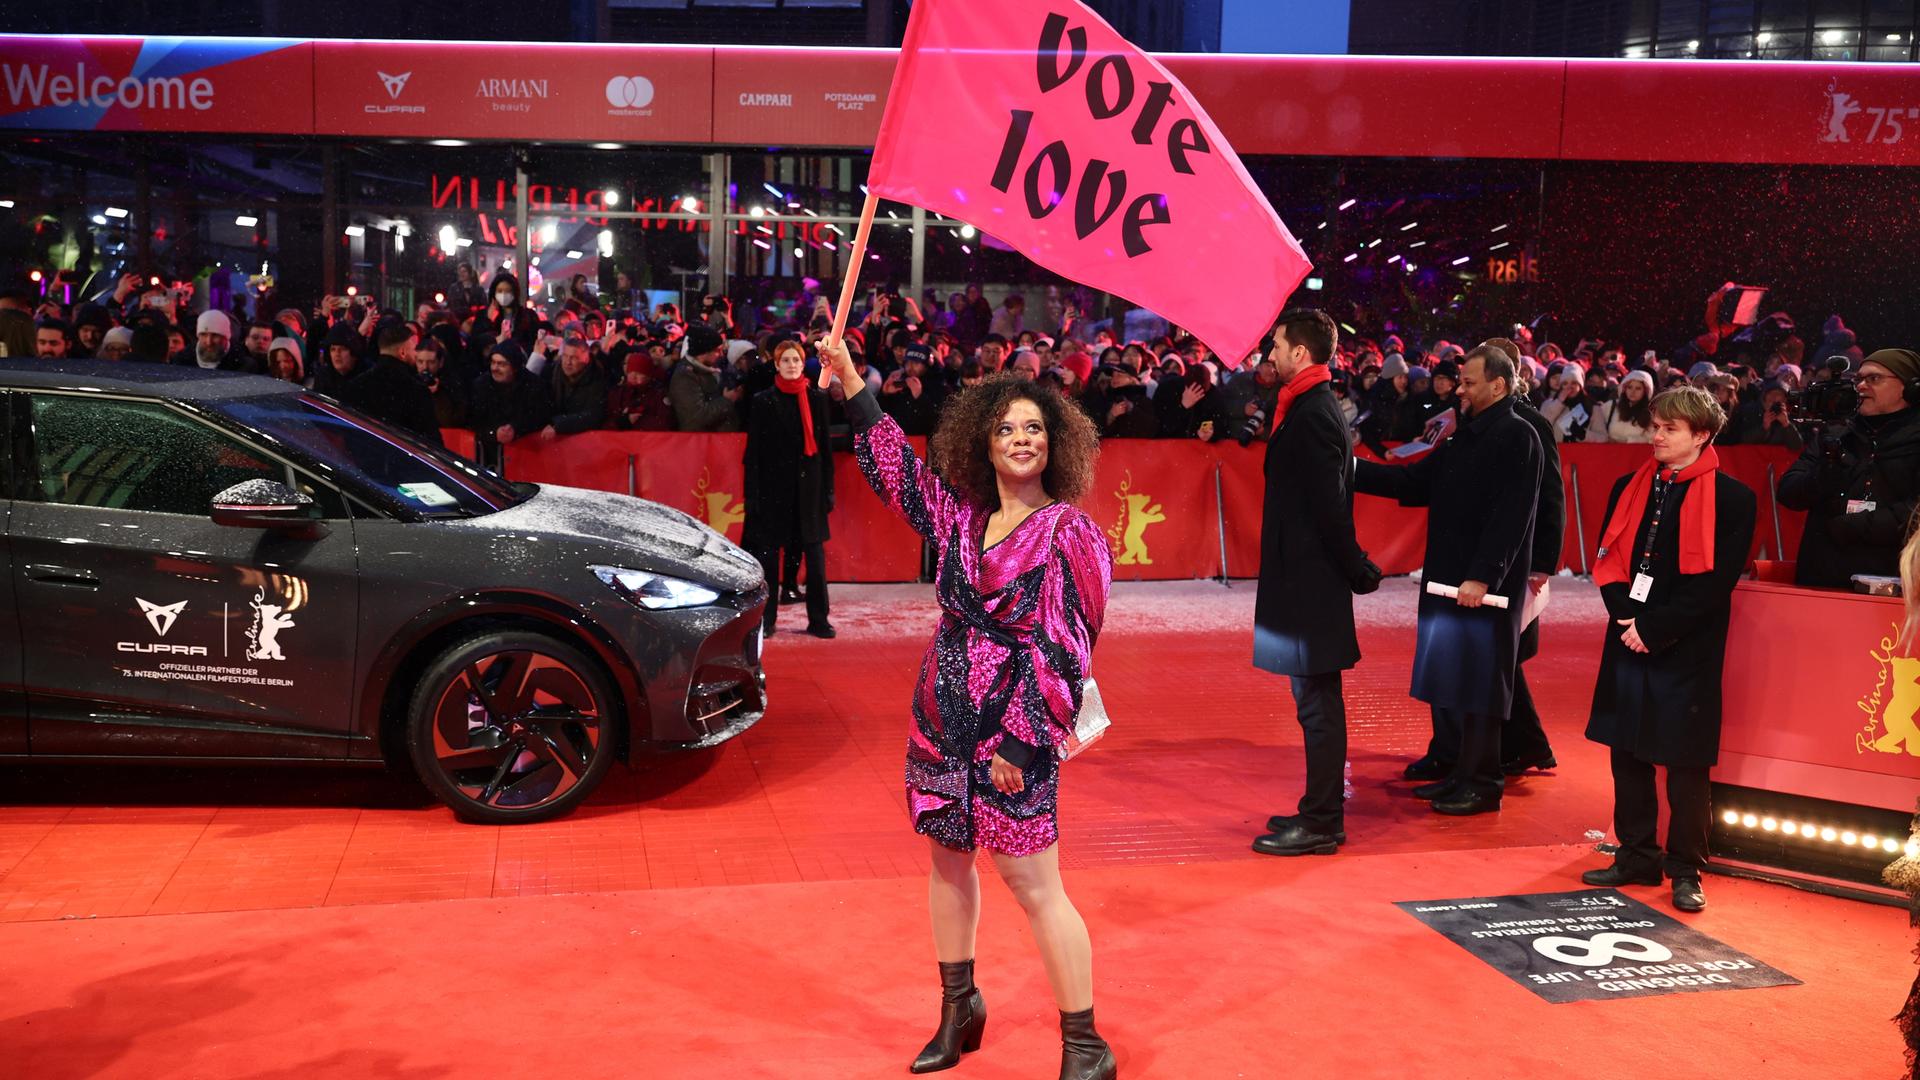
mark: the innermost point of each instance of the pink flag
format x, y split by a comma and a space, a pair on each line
1038, 123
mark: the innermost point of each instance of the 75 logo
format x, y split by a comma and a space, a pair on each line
1888, 122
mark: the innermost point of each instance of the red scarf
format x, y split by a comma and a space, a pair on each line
798, 388
1696, 521
1302, 381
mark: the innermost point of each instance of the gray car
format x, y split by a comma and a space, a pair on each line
225, 568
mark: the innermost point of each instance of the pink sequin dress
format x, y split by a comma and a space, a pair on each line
1004, 670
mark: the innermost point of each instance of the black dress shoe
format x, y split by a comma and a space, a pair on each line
1519, 765
823, 630
1298, 840
1439, 789
1466, 804
1608, 877
1283, 822
1687, 894
1428, 768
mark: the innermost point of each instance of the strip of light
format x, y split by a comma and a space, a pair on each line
1409, 226
246, 221
574, 255
356, 230
1462, 260
116, 212
1826, 834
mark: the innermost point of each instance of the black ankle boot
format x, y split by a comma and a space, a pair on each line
963, 1020
1084, 1055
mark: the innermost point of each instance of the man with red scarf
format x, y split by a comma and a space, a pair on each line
1676, 541
1310, 567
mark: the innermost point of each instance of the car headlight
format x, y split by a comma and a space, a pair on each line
655, 592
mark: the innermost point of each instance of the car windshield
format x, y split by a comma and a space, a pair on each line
395, 465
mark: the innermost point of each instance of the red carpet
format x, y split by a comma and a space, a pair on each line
759, 910
1244, 969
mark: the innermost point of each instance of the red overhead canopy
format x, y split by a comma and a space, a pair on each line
1343, 106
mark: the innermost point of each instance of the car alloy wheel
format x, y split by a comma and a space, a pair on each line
512, 727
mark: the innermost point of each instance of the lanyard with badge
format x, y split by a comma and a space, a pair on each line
1643, 576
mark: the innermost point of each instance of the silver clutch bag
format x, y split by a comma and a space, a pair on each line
1089, 725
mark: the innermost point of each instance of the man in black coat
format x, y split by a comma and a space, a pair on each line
1657, 700
1523, 740
578, 392
789, 492
1479, 487
911, 395
392, 390
1310, 567
1860, 482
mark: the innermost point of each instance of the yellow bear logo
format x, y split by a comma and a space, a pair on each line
1136, 513
1901, 731
719, 509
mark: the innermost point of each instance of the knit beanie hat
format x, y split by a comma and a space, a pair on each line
1395, 364
214, 322
1904, 363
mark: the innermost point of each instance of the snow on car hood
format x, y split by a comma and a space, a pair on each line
679, 541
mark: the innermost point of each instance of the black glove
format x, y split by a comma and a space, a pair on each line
1365, 578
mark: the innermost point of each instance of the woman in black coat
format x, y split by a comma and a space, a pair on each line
789, 466
1657, 700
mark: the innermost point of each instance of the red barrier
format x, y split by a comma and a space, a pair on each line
1155, 500
1156, 508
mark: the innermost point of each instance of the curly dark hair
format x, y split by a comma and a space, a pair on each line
961, 444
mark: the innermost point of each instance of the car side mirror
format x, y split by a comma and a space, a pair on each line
267, 504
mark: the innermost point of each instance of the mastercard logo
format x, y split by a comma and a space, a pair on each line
629, 91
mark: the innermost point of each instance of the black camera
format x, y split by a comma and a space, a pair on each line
1830, 399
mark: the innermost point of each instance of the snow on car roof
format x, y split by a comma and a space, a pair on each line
133, 377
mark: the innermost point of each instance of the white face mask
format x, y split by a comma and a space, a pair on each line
503, 297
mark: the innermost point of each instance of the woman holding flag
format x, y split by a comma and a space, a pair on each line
1676, 541
1022, 580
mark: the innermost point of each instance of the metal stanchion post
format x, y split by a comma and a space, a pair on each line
633, 475
1220, 522
1579, 526
1773, 506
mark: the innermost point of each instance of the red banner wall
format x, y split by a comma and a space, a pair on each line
1156, 509
800, 97
156, 84
1847, 735
1155, 500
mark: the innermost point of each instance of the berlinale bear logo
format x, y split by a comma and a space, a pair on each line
1892, 729
719, 509
1129, 531
263, 637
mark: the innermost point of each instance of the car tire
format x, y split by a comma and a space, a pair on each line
511, 727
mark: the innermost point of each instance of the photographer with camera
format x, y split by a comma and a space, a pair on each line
1859, 476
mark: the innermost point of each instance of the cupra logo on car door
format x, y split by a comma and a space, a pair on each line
160, 616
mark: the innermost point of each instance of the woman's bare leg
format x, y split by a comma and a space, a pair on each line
953, 898
1065, 949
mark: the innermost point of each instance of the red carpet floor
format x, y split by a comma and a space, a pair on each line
759, 910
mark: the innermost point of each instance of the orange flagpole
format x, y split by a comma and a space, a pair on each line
856, 262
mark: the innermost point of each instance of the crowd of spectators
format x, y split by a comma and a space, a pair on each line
490, 361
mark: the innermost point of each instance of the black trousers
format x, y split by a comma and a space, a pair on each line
1323, 721
1521, 735
1636, 816
790, 569
816, 556
1474, 742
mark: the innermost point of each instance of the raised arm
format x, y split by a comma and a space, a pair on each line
888, 462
